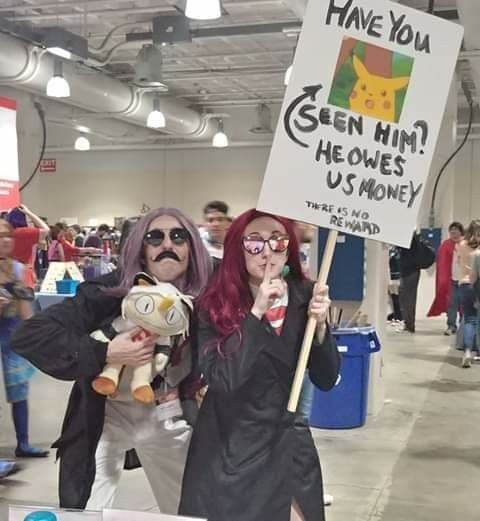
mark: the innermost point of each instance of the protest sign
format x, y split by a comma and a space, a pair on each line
361, 118
9, 186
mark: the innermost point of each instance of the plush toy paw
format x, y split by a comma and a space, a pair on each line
144, 394
105, 386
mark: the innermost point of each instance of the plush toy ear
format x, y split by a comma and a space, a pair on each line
142, 279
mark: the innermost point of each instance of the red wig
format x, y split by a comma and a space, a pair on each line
227, 299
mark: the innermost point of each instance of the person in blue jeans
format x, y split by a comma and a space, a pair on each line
15, 305
466, 251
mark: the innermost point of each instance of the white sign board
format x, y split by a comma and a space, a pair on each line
125, 515
56, 271
361, 118
9, 186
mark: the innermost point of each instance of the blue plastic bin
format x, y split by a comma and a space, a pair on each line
67, 286
345, 406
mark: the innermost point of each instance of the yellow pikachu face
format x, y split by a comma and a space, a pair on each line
374, 95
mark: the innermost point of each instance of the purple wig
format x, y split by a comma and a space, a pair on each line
131, 260
17, 218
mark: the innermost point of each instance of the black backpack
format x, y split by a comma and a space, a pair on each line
425, 255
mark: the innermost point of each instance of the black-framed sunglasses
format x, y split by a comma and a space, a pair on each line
255, 244
155, 237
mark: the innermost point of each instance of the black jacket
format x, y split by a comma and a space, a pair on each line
408, 259
58, 342
248, 456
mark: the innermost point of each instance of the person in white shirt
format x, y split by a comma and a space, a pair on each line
215, 216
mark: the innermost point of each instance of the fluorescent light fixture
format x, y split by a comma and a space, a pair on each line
156, 118
65, 44
57, 86
288, 75
203, 9
220, 139
59, 51
82, 143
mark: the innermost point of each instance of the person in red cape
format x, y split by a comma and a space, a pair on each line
446, 287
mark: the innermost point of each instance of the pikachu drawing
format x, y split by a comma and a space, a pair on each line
374, 95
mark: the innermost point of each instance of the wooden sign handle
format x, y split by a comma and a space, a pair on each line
311, 325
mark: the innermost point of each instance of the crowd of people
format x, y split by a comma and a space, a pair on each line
251, 304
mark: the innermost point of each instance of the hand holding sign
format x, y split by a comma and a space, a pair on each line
319, 304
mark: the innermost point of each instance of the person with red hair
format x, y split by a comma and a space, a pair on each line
250, 459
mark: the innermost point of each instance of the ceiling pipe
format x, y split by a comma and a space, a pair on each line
470, 19
168, 146
96, 92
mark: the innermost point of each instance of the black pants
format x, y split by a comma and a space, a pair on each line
408, 299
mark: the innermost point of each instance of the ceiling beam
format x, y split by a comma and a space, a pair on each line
121, 11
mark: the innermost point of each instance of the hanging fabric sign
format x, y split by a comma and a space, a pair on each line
9, 185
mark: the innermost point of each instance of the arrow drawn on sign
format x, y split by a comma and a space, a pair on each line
308, 92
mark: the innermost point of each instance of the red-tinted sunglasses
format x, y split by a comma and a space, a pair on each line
255, 244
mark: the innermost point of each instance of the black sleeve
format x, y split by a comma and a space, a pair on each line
324, 362
58, 341
229, 369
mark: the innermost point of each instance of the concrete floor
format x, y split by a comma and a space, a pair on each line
418, 460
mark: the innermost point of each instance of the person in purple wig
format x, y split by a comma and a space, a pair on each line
97, 431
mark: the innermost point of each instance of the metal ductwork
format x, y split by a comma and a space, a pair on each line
29, 68
470, 18
297, 6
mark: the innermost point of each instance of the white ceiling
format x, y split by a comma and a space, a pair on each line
208, 71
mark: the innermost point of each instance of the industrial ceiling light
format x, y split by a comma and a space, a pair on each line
65, 44
203, 9
82, 143
57, 86
156, 118
59, 51
220, 139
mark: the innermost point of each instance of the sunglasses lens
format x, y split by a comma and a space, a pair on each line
178, 235
253, 246
279, 244
154, 237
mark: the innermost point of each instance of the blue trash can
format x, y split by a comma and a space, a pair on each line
345, 406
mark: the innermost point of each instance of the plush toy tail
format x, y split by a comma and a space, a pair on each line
106, 383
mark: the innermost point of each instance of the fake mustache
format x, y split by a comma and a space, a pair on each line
166, 255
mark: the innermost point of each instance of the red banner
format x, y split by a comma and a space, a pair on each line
9, 181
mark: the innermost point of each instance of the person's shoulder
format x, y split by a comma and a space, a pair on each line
96, 287
26, 231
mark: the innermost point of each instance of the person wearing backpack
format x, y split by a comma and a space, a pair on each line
419, 256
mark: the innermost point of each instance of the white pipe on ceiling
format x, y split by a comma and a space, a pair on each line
97, 92
469, 14
172, 146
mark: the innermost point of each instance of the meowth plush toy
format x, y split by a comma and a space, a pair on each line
159, 309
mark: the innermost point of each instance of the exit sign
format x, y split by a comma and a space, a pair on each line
48, 165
